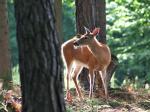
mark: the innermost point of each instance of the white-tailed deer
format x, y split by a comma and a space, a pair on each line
86, 51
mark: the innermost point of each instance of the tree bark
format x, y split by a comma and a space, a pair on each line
83, 18
58, 16
84, 15
111, 68
91, 13
39, 56
5, 67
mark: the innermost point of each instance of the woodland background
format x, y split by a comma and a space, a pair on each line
127, 34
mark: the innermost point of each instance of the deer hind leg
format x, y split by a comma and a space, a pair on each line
77, 71
103, 77
92, 78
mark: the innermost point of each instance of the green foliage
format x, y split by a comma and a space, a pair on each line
127, 34
13, 42
114, 103
128, 31
15, 75
68, 19
135, 83
12, 34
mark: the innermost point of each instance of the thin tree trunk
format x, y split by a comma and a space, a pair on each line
39, 56
5, 68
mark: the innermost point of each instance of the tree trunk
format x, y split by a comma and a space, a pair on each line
5, 67
84, 18
58, 16
91, 13
39, 56
111, 68
84, 15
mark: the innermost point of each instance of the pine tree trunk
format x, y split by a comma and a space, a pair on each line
39, 56
91, 13
5, 67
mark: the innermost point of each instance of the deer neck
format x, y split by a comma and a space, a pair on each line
96, 48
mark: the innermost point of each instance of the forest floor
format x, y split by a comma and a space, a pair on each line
119, 101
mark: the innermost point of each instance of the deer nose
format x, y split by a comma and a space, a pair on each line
76, 44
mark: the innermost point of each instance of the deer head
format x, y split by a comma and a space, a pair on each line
86, 38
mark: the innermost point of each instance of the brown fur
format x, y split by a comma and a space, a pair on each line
95, 56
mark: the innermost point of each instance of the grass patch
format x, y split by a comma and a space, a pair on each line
15, 75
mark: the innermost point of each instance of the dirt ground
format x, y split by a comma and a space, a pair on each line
119, 101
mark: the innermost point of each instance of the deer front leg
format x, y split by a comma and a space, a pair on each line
103, 77
68, 94
92, 78
75, 78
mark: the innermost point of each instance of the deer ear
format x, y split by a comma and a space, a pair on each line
96, 31
87, 31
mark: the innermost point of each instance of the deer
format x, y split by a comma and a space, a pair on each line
85, 51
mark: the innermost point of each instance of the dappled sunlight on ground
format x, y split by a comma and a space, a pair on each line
119, 101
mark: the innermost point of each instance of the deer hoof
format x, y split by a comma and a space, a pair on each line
68, 97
